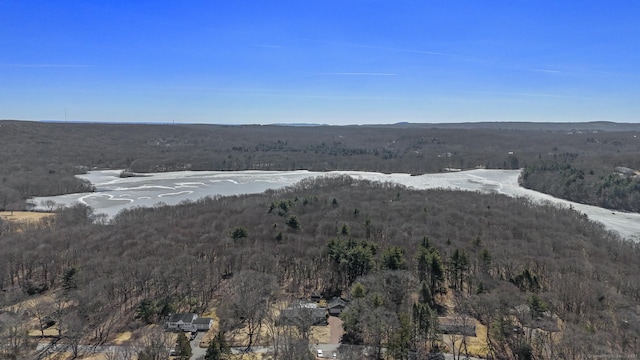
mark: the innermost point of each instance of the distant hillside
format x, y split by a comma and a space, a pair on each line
42, 158
536, 126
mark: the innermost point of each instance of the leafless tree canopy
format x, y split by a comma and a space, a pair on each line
573, 160
525, 271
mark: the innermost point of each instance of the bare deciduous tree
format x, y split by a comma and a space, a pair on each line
250, 302
123, 352
14, 340
154, 345
42, 311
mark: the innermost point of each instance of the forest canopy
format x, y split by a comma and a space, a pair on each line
505, 262
544, 282
591, 149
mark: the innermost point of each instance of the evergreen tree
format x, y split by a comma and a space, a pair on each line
239, 233
425, 322
213, 351
485, 260
436, 270
183, 346
146, 311
393, 258
425, 295
218, 348
430, 267
344, 230
400, 341
537, 306
69, 280
293, 222
459, 265
358, 291
426, 244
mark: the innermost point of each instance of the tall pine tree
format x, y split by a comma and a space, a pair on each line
218, 348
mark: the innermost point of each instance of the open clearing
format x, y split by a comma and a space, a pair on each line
24, 216
476, 345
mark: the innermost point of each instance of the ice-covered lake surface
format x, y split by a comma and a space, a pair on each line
114, 193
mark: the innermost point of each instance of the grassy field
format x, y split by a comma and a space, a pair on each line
122, 337
24, 216
476, 345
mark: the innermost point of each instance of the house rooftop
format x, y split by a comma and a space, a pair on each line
303, 304
337, 302
202, 321
185, 317
293, 316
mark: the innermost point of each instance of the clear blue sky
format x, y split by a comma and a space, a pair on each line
330, 61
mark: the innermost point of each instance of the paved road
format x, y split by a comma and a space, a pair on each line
44, 348
197, 351
328, 350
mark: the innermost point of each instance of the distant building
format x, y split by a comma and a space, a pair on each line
303, 316
303, 313
625, 171
202, 324
455, 325
336, 306
188, 322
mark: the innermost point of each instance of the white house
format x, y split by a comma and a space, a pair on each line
203, 324
188, 322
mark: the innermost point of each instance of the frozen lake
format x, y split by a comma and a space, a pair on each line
114, 194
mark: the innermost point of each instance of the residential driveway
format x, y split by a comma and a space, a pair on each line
197, 351
335, 333
335, 329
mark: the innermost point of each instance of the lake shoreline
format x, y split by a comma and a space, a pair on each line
114, 193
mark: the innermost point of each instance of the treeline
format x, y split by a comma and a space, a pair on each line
588, 181
41, 159
405, 257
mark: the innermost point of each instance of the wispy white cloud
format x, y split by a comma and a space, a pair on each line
368, 46
46, 65
269, 46
359, 74
265, 92
546, 71
284, 93
581, 71
508, 93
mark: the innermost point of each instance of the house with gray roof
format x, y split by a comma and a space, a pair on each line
188, 322
336, 306
303, 313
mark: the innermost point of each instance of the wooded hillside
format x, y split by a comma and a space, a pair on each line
40, 159
546, 282
594, 182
